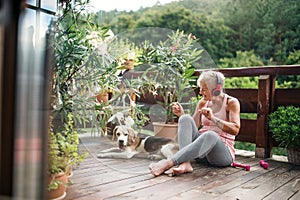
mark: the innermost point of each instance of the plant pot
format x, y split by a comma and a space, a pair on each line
60, 191
162, 129
293, 156
102, 97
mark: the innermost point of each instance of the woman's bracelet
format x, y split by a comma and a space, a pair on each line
217, 122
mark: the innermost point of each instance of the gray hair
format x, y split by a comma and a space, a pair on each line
210, 78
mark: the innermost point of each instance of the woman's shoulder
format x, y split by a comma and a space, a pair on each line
231, 101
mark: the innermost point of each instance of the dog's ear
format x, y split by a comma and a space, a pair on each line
114, 137
132, 134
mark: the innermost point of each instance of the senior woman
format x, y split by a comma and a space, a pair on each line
210, 133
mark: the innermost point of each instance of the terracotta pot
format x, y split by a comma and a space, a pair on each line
102, 97
60, 191
162, 129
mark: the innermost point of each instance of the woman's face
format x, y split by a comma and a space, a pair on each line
204, 91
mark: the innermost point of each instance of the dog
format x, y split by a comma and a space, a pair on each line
131, 144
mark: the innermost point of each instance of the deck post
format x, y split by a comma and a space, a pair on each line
271, 109
262, 149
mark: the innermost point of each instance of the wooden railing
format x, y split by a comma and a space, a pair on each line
261, 101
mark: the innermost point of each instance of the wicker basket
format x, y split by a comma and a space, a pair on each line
293, 156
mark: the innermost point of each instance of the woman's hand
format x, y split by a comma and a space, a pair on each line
177, 109
207, 112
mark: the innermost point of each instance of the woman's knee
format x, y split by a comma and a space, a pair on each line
185, 119
211, 136
185, 126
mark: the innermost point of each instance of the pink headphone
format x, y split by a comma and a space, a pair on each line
217, 90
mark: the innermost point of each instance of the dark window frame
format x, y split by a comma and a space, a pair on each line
11, 11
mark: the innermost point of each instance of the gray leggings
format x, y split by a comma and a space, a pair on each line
193, 145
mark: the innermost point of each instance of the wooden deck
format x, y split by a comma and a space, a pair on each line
130, 179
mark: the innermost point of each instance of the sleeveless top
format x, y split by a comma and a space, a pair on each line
207, 125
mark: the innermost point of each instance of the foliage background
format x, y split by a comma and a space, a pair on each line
235, 33
269, 28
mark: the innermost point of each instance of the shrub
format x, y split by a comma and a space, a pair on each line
284, 123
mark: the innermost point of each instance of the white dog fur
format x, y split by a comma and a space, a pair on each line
131, 144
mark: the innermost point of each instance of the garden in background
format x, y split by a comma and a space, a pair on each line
233, 33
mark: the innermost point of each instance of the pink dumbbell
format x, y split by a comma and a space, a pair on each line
246, 167
264, 164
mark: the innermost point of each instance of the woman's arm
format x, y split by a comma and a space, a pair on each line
233, 125
197, 113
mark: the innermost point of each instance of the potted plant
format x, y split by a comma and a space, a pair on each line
68, 140
79, 65
170, 74
284, 123
57, 177
63, 155
84, 64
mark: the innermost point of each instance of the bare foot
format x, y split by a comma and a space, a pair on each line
160, 167
185, 167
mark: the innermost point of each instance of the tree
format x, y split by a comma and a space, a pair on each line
269, 27
212, 33
280, 31
242, 59
240, 16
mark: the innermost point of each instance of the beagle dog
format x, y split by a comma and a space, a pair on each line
131, 144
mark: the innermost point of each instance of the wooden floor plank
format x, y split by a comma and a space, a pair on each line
287, 190
175, 184
200, 176
214, 177
111, 190
125, 186
233, 179
296, 196
96, 185
112, 173
261, 186
131, 179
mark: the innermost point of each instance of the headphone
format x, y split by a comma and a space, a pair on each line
217, 90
